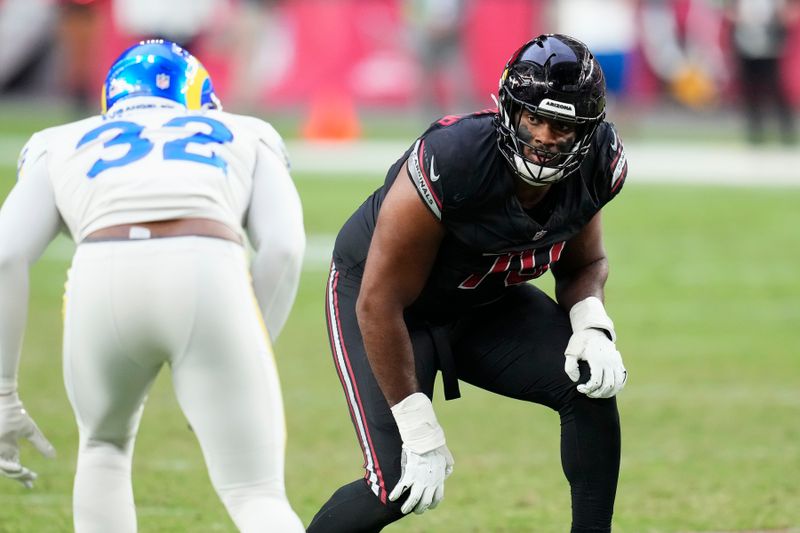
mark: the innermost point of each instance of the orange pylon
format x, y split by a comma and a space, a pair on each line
332, 116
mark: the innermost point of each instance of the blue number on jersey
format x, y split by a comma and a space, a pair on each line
130, 134
219, 134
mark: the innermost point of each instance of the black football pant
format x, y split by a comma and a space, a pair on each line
514, 347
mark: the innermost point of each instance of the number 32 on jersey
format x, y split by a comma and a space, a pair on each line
130, 134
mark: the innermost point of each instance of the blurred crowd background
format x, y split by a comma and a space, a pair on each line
332, 62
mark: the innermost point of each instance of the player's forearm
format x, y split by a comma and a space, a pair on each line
276, 277
588, 280
29, 220
13, 312
275, 227
388, 347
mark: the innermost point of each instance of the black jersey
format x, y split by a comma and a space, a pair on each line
491, 241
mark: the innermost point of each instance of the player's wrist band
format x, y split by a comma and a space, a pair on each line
416, 421
590, 313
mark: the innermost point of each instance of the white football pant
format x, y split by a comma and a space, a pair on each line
132, 306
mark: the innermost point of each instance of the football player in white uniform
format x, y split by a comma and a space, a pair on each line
159, 193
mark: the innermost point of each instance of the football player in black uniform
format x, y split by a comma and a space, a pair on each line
430, 275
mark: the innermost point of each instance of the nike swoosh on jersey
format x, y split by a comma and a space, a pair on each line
423, 182
434, 175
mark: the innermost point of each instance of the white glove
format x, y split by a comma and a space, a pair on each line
426, 462
591, 328
424, 475
16, 424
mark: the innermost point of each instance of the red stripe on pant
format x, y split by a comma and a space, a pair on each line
347, 378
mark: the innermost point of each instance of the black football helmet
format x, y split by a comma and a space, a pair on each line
555, 77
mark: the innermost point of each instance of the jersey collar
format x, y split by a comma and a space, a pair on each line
139, 103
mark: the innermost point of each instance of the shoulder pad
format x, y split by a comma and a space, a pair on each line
268, 135
451, 166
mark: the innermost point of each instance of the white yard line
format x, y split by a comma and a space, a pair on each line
649, 162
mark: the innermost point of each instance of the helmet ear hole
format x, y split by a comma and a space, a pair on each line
159, 68
556, 77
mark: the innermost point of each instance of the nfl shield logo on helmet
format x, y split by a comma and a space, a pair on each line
162, 81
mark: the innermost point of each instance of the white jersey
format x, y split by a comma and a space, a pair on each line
133, 306
150, 159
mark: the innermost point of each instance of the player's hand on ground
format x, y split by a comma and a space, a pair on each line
608, 374
423, 477
15, 425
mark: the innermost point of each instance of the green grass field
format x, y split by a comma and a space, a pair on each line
705, 294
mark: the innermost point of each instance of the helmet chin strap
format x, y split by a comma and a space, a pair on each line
536, 175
